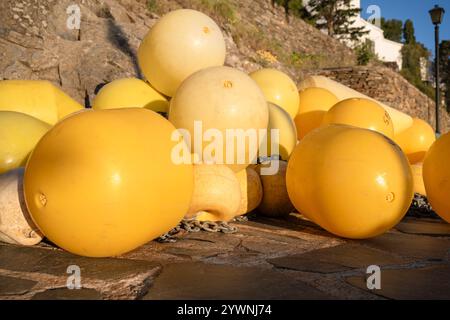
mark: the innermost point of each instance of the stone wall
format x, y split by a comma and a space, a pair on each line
389, 87
35, 42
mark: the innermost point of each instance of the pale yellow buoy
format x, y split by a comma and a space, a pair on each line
314, 104
179, 44
16, 225
416, 140
275, 201
362, 113
286, 132
278, 88
19, 133
251, 190
39, 99
226, 104
130, 93
217, 193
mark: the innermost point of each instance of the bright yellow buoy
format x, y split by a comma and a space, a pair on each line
130, 93
353, 182
220, 107
416, 140
180, 43
417, 172
278, 88
363, 113
39, 99
436, 176
314, 104
19, 133
102, 183
280, 120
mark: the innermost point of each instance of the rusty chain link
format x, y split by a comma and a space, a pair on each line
193, 225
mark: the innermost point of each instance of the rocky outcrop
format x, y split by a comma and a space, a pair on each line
36, 43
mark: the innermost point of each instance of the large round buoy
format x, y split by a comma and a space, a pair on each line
19, 133
362, 113
130, 93
221, 108
275, 201
416, 140
314, 104
353, 182
102, 183
278, 88
280, 120
180, 43
436, 176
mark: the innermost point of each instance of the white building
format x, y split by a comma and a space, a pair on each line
386, 50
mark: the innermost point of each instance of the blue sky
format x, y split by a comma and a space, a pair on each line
417, 11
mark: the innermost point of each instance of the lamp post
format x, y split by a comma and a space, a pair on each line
436, 14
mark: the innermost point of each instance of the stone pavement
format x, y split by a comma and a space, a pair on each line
265, 259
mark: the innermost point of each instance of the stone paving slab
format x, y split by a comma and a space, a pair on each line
114, 277
65, 294
407, 245
15, 286
429, 283
207, 281
338, 259
265, 259
437, 228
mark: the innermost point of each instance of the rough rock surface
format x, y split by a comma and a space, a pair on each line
35, 42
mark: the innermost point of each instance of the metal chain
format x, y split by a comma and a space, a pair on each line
193, 225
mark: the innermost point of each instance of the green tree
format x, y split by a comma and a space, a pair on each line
409, 32
393, 29
294, 7
336, 17
444, 50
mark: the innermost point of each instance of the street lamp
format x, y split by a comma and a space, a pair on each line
436, 14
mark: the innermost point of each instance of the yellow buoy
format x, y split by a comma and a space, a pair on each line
275, 201
278, 88
436, 176
180, 43
102, 183
417, 172
251, 190
130, 93
217, 194
39, 99
416, 140
401, 120
19, 133
363, 113
353, 182
222, 108
280, 120
314, 104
